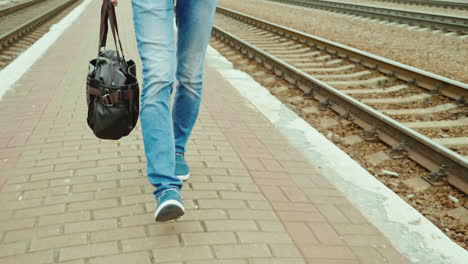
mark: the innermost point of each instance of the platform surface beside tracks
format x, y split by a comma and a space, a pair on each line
68, 197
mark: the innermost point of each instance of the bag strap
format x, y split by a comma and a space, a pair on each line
108, 14
113, 22
103, 25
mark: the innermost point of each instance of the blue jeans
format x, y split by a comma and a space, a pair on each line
166, 130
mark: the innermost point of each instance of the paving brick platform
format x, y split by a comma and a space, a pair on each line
68, 197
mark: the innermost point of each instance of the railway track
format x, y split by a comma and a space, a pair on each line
435, 3
457, 25
10, 9
13, 8
421, 115
26, 30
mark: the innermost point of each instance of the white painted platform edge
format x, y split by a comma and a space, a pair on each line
409, 231
13, 72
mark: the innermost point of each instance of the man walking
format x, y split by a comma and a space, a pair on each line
165, 130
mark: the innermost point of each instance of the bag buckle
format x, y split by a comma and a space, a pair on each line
106, 100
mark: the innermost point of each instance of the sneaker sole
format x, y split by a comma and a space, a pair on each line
184, 177
169, 210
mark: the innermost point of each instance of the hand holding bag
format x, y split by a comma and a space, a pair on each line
112, 91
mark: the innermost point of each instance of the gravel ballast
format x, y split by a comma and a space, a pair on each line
443, 55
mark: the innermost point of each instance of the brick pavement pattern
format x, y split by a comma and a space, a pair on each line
68, 197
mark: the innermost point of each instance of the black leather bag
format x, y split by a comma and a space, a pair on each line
112, 91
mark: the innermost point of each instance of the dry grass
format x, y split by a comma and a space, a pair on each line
446, 56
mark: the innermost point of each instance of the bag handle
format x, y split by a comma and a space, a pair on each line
108, 14
114, 26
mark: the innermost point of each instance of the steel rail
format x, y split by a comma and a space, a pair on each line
445, 4
432, 82
22, 29
14, 8
420, 148
437, 21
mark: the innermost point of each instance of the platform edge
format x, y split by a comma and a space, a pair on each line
17, 68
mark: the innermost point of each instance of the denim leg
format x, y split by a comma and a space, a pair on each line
194, 22
154, 30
